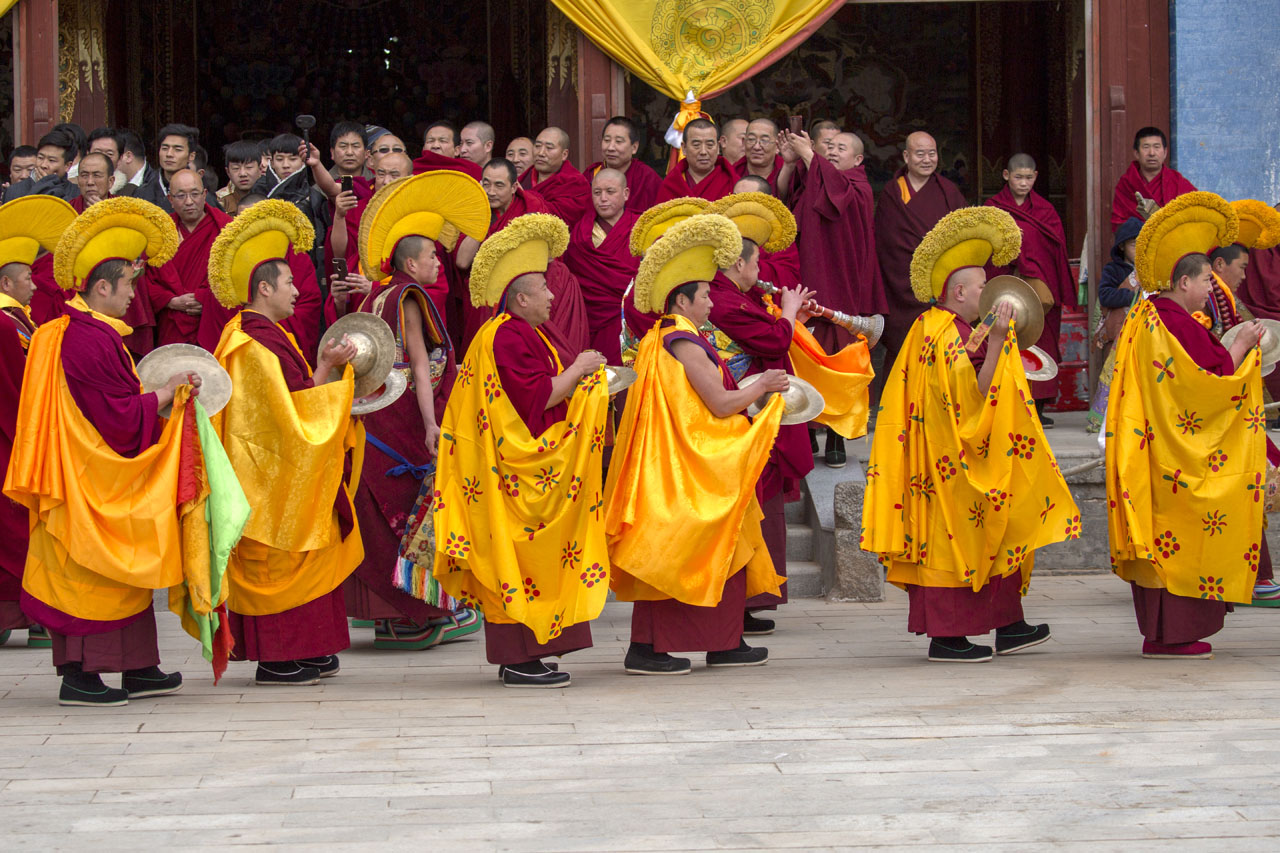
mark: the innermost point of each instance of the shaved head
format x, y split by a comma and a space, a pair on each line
520, 153
186, 196
1021, 161
607, 175
845, 151
550, 150
609, 194
481, 129
477, 143
732, 134
921, 156
753, 184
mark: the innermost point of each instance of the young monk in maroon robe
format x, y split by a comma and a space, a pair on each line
558, 181
1043, 257
702, 173
619, 144
178, 295
1147, 175
908, 208
599, 255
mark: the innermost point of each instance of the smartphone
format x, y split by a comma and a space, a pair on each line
338, 267
797, 124
346, 183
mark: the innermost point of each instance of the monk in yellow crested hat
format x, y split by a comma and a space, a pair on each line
517, 495
287, 432
657, 220
962, 486
681, 511
400, 231
1258, 231
1187, 452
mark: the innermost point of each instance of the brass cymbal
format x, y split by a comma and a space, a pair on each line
158, 365
802, 402
375, 349
1028, 321
1269, 345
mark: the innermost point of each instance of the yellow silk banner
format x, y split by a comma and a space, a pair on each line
681, 510
698, 46
961, 486
517, 516
1186, 460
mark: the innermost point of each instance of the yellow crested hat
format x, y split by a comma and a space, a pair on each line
762, 219
262, 233
655, 221
120, 228
31, 223
527, 244
1259, 224
693, 250
1194, 222
968, 237
437, 205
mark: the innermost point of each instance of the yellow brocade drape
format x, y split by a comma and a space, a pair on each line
287, 449
517, 516
961, 487
1186, 455
680, 506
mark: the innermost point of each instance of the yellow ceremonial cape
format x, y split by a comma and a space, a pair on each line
1186, 460
517, 516
680, 503
960, 487
287, 449
843, 379
105, 529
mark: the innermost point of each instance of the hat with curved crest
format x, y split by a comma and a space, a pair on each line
693, 250
1192, 223
964, 238
439, 205
261, 234
31, 223
762, 219
655, 221
114, 229
527, 244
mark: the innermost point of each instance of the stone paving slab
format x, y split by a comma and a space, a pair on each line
847, 740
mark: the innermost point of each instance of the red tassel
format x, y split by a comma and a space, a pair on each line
223, 643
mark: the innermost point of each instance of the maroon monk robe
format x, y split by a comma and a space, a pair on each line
304, 324
48, 300
638, 322
568, 328
15, 331
188, 272
567, 192
1163, 188
835, 213
715, 186
475, 316
100, 377
1260, 292
742, 169
781, 269
603, 273
1043, 256
673, 626
767, 339
525, 368
642, 184
429, 161
903, 217
383, 501
959, 611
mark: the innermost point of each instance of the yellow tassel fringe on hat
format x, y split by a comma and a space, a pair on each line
31, 223
438, 205
121, 229
1259, 224
655, 221
761, 218
968, 237
262, 233
1194, 222
527, 244
693, 250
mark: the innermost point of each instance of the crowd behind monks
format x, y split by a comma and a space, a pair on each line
854, 252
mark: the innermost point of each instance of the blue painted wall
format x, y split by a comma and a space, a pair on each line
1226, 95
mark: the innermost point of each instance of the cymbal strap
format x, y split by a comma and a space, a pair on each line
980, 332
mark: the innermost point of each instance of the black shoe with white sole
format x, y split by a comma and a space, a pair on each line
85, 689
643, 660
534, 674
326, 665
743, 655
754, 626
957, 650
1018, 636
285, 673
554, 667
141, 683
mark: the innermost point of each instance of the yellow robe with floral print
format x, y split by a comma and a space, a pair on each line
1186, 456
518, 516
961, 487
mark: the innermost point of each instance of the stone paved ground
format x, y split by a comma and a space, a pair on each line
847, 739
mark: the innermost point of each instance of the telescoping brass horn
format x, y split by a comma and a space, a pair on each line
870, 326
375, 356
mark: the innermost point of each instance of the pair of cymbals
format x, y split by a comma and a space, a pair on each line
801, 401
376, 384
1028, 309
156, 368
1269, 345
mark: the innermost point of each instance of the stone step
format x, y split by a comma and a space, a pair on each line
804, 579
799, 542
795, 511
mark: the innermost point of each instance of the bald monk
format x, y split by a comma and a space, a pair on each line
600, 257
520, 153
781, 269
733, 139
761, 158
908, 208
561, 185
1147, 176
619, 144
702, 172
179, 289
477, 143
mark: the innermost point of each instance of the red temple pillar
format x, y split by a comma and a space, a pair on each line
36, 47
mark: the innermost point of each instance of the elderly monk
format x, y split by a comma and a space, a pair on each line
962, 486
733, 137
619, 144
29, 226
393, 585
520, 153
517, 502
761, 158
681, 511
99, 470
476, 143
1043, 259
908, 208
558, 181
285, 425
599, 255
93, 175
1187, 454
702, 173
1147, 176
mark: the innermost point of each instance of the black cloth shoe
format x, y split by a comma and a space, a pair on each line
643, 660
285, 673
1019, 636
813, 442
835, 456
1046, 422
141, 683
743, 655
534, 674
86, 689
326, 665
753, 626
554, 667
957, 650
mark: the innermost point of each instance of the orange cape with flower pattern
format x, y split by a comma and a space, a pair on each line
961, 487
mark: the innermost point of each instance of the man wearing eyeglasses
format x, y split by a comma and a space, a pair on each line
762, 158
